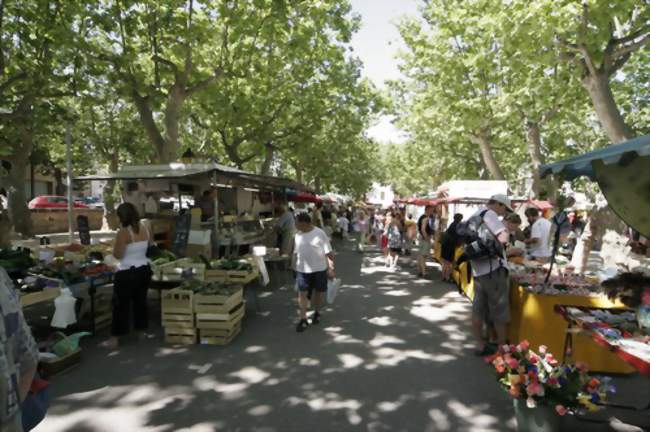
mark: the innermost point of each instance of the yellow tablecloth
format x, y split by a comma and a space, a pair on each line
533, 319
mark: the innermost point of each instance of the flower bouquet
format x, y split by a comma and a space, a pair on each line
540, 381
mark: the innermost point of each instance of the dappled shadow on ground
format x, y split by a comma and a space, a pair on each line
392, 354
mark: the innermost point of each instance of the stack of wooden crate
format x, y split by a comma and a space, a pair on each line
177, 307
218, 317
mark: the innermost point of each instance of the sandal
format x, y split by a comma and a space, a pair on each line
315, 319
302, 325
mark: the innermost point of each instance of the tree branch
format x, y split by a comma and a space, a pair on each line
630, 48
170, 64
11, 80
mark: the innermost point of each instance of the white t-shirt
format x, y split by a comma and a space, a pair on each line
483, 266
541, 230
344, 223
311, 251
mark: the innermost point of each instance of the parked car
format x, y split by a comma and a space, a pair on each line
53, 202
91, 202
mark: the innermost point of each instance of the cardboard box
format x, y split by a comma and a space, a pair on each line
194, 250
195, 221
199, 237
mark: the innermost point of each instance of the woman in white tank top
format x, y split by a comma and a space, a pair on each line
131, 282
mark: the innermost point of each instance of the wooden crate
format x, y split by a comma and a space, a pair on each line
243, 277
217, 304
215, 275
216, 337
48, 294
177, 320
52, 367
174, 271
221, 321
177, 335
177, 301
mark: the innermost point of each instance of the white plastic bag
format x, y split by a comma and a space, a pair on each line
333, 286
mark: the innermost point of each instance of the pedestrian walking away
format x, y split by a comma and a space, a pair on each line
314, 266
425, 235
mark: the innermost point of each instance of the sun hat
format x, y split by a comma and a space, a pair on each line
503, 199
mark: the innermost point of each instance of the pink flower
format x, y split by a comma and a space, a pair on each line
561, 410
500, 369
534, 359
543, 349
512, 363
505, 348
534, 388
523, 346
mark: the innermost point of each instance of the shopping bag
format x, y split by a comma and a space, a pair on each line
333, 286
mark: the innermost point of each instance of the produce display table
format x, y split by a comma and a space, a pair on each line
635, 350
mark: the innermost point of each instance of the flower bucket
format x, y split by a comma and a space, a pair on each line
542, 418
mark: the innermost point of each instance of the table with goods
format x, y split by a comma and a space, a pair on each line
532, 305
616, 330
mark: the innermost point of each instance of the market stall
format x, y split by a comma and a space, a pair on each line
204, 209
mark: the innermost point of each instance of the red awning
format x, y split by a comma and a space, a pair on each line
304, 197
542, 205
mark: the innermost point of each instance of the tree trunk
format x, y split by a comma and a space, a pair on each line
482, 139
175, 101
534, 144
109, 199
19, 214
58, 182
317, 185
146, 118
268, 158
602, 98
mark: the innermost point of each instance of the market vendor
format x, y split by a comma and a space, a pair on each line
513, 223
286, 230
540, 235
206, 204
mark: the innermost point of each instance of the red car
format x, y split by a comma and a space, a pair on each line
52, 202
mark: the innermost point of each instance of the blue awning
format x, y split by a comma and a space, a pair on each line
583, 165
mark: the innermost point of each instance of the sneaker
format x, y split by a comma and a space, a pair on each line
302, 325
315, 319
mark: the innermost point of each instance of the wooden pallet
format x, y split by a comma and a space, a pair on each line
182, 336
213, 337
216, 304
221, 321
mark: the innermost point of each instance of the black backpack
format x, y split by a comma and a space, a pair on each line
477, 240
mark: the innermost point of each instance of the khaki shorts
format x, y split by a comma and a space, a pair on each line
424, 247
492, 296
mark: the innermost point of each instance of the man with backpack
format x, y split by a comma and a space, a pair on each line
484, 236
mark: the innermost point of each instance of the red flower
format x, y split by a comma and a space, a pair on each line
500, 369
593, 383
553, 382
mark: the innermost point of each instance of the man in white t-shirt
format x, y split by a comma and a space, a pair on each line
491, 283
540, 235
314, 265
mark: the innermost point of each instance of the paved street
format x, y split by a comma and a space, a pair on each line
393, 354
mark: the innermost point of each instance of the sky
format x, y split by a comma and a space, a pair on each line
376, 44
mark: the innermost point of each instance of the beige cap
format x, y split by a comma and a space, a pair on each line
503, 199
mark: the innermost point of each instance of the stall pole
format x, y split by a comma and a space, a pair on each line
68, 154
215, 216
